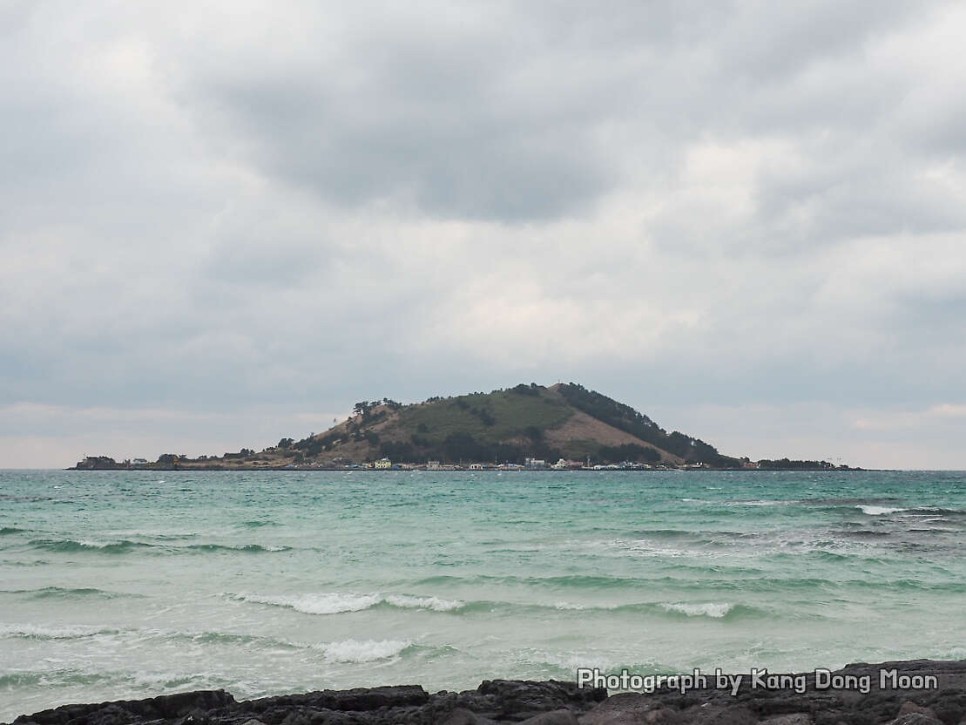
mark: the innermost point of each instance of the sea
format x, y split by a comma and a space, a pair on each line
130, 584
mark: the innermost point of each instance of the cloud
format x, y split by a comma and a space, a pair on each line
941, 413
239, 206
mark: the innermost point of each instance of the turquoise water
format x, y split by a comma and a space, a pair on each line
130, 584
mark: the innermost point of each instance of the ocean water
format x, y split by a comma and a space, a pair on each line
131, 584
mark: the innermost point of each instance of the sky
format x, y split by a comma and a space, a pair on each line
224, 223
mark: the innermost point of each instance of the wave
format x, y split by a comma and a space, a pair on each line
245, 640
581, 581
871, 510
334, 603
341, 602
24, 499
676, 610
158, 536
126, 546
247, 548
571, 607
354, 651
936, 511
68, 593
847, 501
665, 534
436, 604
565, 581
32, 631
214, 637
11, 530
57, 678
758, 502
70, 546
714, 610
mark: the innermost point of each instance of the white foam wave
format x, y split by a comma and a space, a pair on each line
32, 631
342, 602
362, 651
633, 547
567, 606
323, 603
435, 603
715, 610
98, 544
870, 510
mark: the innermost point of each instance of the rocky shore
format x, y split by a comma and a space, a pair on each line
918, 692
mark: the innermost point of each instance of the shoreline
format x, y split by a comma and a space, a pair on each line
466, 469
909, 692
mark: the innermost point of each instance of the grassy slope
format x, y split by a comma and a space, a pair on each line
535, 420
489, 417
527, 420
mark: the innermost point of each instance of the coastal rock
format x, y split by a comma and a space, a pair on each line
628, 708
167, 708
797, 718
709, 714
556, 717
909, 707
916, 718
360, 699
943, 702
521, 697
462, 716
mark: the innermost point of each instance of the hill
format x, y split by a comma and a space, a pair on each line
563, 422
527, 421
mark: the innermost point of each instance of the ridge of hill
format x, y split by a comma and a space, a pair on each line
503, 426
565, 423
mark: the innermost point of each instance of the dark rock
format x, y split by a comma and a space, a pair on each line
797, 718
518, 696
915, 718
164, 707
462, 716
359, 699
896, 701
909, 706
631, 708
708, 714
555, 717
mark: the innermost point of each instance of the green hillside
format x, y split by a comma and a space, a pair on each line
564, 422
507, 425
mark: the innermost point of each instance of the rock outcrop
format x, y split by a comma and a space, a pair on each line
919, 692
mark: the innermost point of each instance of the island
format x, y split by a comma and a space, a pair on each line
526, 427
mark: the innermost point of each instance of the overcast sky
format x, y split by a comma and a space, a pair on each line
224, 223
